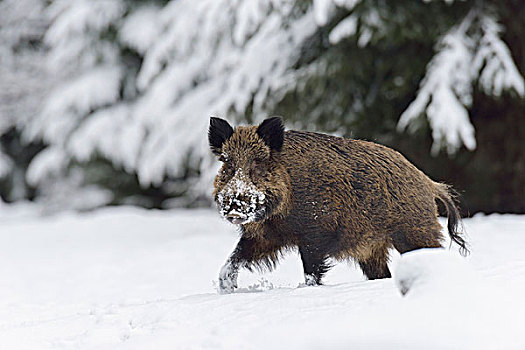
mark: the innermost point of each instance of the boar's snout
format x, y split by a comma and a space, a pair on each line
240, 201
236, 218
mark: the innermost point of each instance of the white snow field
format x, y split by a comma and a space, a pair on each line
127, 278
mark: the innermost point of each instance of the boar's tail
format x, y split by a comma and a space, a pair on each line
447, 195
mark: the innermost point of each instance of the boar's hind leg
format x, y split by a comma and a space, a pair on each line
375, 266
314, 265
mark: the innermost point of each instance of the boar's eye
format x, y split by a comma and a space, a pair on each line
227, 167
258, 162
258, 167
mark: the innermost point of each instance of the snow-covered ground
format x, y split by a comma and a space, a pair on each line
126, 278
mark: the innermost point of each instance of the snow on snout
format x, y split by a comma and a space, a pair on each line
240, 197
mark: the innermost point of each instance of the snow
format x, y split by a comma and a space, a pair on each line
241, 194
74, 33
108, 133
21, 68
250, 15
433, 269
46, 164
73, 19
347, 27
67, 104
347, 4
137, 30
323, 10
494, 64
127, 278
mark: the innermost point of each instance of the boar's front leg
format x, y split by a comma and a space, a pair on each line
250, 251
242, 256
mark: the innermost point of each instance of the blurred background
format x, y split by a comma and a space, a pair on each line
108, 102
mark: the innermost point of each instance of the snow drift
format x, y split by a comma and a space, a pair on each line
126, 278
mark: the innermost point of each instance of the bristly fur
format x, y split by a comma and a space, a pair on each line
269, 262
331, 197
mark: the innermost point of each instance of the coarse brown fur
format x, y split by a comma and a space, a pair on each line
329, 196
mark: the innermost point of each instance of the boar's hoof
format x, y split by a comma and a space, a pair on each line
226, 286
227, 279
310, 280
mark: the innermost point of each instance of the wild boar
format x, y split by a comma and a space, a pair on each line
330, 197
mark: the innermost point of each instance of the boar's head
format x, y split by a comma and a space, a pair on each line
252, 184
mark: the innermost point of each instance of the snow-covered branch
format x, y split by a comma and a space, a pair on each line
445, 92
493, 63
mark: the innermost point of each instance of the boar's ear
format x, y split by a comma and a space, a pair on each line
218, 133
271, 131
